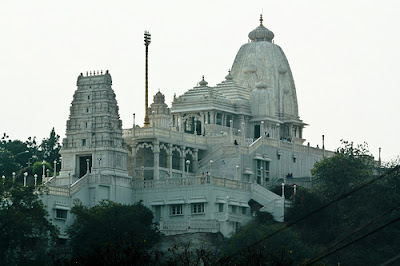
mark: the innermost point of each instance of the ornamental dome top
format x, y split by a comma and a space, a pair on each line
229, 76
203, 83
261, 33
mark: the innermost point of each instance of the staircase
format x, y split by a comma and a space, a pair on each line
273, 203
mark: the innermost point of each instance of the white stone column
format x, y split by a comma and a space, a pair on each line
133, 160
180, 124
169, 159
212, 117
231, 131
202, 122
262, 129
156, 155
195, 159
182, 164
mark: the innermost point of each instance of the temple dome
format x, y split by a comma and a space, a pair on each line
262, 58
261, 33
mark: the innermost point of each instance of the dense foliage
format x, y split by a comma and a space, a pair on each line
25, 233
351, 200
19, 157
111, 228
257, 244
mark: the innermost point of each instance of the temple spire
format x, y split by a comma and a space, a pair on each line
261, 20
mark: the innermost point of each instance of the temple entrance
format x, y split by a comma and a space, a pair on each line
82, 164
256, 131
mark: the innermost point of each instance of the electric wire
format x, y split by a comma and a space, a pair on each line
320, 255
290, 224
390, 261
359, 238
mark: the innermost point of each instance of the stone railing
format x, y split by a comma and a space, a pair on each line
224, 150
221, 216
248, 141
284, 144
58, 191
81, 182
180, 227
174, 226
264, 193
206, 160
273, 203
194, 181
240, 218
151, 132
68, 190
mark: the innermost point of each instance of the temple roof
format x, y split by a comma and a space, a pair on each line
262, 58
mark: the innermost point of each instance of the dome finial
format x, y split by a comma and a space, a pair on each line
261, 33
229, 76
203, 82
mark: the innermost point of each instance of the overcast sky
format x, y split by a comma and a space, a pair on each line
344, 56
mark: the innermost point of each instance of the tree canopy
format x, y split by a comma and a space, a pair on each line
19, 157
25, 233
111, 226
254, 244
352, 200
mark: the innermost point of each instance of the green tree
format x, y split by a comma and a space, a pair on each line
25, 232
37, 168
252, 244
352, 200
17, 156
50, 147
111, 227
7, 162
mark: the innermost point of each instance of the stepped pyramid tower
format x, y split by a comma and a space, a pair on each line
93, 142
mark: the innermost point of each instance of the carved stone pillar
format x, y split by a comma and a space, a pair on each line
169, 159
262, 129
183, 155
180, 123
195, 159
212, 117
156, 155
133, 160
202, 122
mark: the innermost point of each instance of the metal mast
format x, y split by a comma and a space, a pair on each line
147, 40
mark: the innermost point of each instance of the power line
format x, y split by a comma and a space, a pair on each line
359, 238
319, 256
394, 169
390, 261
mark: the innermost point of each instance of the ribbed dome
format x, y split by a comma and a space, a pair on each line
261, 33
261, 101
265, 59
159, 98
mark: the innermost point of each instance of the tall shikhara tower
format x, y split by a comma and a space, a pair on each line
93, 142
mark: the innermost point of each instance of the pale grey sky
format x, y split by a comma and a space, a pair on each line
344, 57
